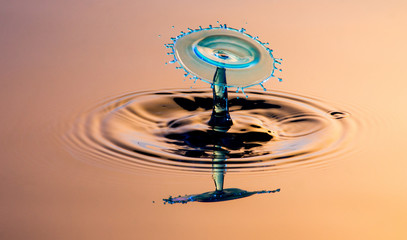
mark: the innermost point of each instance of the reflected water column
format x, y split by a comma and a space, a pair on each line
219, 167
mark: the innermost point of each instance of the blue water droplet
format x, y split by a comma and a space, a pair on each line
172, 26
210, 26
280, 79
244, 93
263, 87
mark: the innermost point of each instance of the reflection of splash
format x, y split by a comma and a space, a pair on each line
218, 174
215, 196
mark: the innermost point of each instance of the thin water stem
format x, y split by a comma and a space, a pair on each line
220, 113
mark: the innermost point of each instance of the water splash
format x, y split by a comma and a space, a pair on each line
201, 51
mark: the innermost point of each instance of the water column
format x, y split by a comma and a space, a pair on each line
220, 122
220, 113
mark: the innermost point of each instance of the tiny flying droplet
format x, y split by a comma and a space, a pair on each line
263, 87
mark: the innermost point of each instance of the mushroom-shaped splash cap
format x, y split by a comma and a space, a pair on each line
247, 60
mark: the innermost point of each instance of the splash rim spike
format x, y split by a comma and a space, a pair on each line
224, 27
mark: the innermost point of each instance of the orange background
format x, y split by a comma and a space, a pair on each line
59, 58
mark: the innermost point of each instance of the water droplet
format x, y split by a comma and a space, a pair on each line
280, 79
172, 26
159, 35
244, 93
221, 58
261, 84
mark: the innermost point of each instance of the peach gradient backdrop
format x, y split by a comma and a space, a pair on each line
59, 58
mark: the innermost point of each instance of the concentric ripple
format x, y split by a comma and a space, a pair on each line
167, 131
